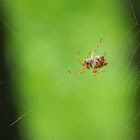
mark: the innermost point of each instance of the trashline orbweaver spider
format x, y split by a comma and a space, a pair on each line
95, 63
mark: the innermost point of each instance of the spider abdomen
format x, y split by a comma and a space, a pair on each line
98, 61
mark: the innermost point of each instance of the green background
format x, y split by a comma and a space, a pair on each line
42, 41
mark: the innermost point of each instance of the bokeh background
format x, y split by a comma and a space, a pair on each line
39, 42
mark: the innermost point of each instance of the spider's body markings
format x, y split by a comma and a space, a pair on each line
96, 62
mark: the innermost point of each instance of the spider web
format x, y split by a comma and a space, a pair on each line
68, 89
133, 83
9, 116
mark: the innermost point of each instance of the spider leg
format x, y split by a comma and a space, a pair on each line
78, 72
105, 56
94, 71
79, 59
98, 73
95, 49
88, 54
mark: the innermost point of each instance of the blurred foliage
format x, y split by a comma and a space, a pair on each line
42, 47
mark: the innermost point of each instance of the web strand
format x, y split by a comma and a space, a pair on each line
14, 33
20, 118
133, 12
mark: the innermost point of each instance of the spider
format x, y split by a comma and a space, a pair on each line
95, 63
